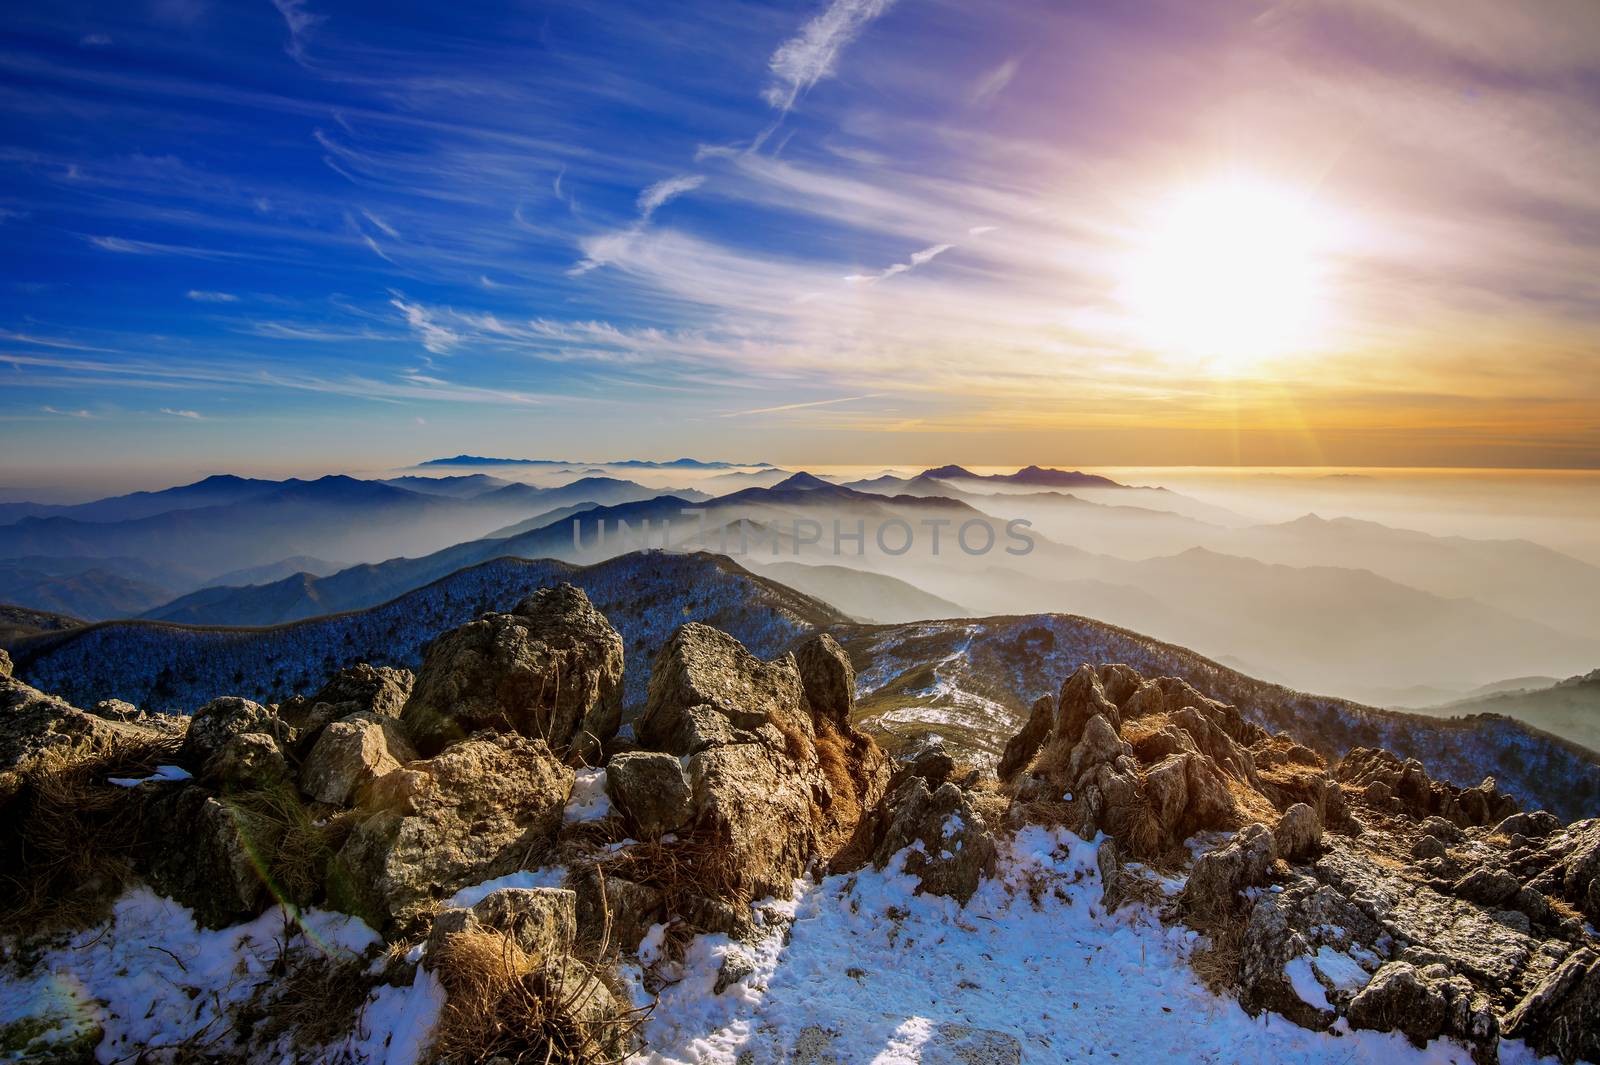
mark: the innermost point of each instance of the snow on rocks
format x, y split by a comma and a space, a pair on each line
1032, 969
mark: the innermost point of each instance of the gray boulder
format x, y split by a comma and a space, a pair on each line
651, 792
248, 761
1219, 875
1400, 998
205, 854
351, 753
1298, 833
218, 721
952, 847
483, 808
549, 670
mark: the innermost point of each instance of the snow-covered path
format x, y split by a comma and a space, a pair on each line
872, 973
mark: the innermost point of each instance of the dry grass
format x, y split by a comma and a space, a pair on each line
695, 867
505, 1004
68, 839
317, 998
1217, 961
296, 864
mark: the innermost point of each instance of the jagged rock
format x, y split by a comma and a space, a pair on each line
1298, 833
1400, 998
5, 663
221, 719
651, 791
706, 690
551, 669
1558, 1016
1021, 748
248, 761
205, 855
380, 690
952, 849
1487, 887
627, 907
776, 774
1534, 824
116, 710
481, 809
1270, 944
1428, 847
1220, 874
1388, 783
1580, 875
924, 755
827, 679
543, 922
32, 723
352, 753
1150, 767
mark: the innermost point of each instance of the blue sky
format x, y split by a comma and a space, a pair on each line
316, 234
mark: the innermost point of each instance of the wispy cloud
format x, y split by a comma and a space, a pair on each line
191, 414
435, 337
201, 296
123, 246
653, 197
798, 406
994, 83
301, 21
917, 259
387, 230
807, 58
67, 413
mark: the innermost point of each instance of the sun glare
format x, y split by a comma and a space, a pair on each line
1229, 272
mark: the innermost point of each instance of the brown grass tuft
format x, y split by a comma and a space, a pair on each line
698, 866
505, 1004
316, 999
1217, 962
68, 838
296, 864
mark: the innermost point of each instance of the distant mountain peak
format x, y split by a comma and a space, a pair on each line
803, 480
945, 473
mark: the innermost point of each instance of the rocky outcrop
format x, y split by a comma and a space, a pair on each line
1392, 785
951, 848
480, 809
549, 670
361, 689
33, 723
1148, 761
749, 770
217, 722
352, 753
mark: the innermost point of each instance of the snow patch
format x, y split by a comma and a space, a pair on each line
589, 801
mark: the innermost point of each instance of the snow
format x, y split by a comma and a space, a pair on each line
870, 972
395, 1026
855, 968
163, 772
1339, 969
1305, 984
152, 978
589, 801
547, 877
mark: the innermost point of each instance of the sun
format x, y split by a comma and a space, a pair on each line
1229, 271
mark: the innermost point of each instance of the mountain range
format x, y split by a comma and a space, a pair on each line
970, 680
1364, 610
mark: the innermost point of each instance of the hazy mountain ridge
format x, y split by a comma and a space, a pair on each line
967, 678
166, 666
975, 680
1570, 707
